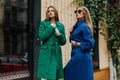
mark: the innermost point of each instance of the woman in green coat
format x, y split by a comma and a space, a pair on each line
52, 36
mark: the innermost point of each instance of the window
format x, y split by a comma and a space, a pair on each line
96, 51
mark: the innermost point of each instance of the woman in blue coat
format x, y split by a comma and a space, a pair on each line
80, 65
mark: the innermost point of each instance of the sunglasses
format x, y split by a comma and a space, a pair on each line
77, 11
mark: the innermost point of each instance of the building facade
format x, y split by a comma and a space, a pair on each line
18, 17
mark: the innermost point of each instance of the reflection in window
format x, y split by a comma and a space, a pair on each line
3, 59
14, 26
95, 55
14, 60
13, 35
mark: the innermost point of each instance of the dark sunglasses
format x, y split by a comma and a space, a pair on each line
77, 11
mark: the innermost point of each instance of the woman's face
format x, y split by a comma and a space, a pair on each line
51, 12
79, 14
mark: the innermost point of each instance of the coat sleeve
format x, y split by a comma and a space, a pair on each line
62, 37
88, 41
45, 31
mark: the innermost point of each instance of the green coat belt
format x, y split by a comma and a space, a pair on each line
50, 54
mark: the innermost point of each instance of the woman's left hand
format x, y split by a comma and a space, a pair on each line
57, 32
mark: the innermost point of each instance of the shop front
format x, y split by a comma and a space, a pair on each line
19, 20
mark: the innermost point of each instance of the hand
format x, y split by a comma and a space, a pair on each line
74, 43
54, 25
57, 32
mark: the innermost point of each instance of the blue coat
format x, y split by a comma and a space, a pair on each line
80, 65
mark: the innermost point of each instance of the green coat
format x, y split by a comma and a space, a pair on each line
50, 54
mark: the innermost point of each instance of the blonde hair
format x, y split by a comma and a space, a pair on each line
55, 11
87, 17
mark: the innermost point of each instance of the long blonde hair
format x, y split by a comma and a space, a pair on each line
87, 17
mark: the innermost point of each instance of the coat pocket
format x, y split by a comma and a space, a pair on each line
44, 54
44, 49
44, 59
